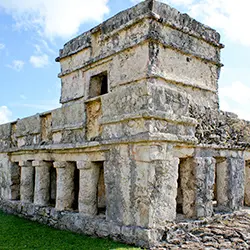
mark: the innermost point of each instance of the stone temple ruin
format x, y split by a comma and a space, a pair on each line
139, 140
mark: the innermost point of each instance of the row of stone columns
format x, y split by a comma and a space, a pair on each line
35, 184
197, 176
197, 180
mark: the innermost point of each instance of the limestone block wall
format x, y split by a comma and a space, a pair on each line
28, 131
5, 132
162, 47
68, 123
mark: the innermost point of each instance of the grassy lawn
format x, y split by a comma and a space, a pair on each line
17, 233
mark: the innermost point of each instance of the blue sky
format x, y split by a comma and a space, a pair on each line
32, 32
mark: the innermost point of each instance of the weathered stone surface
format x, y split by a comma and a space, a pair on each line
27, 181
222, 183
187, 187
247, 184
94, 114
204, 173
220, 128
46, 134
236, 170
219, 232
164, 197
5, 177
65, 185
68, 124
139, 142
166, 15
5, 136
42, 182
15, 181
30, 125
69, 116
196, 186
89, 174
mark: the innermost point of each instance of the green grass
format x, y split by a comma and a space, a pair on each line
17, 233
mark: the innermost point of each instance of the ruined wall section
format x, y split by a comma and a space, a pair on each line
220, 128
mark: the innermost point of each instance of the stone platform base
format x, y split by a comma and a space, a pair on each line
222, 231
75, 222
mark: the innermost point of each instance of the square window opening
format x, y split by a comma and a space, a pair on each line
98, 85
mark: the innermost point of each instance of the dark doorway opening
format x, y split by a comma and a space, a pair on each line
76, 188
101, 190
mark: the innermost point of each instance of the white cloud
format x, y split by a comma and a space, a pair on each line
55, 18
235, 98
39, 61
229, 16
2, 46
5, 114
237, 92
16, 65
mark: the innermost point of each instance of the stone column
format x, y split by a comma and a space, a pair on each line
197, 180
27, 181
42, 182
187, 186
65, 185
166, 176
247, 184
204, 173
153, 187
236, 168
89, 174
230, 183
15, 181
222, 184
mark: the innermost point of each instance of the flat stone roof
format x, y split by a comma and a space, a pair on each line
146, 9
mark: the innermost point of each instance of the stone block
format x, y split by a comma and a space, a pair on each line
68, 124
72, 85
236, 168
94, 114
28, 126
128, 234
247, 184
5, 136
68, 117
204, 175
46, 133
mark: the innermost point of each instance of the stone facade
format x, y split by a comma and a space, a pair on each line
139, 140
